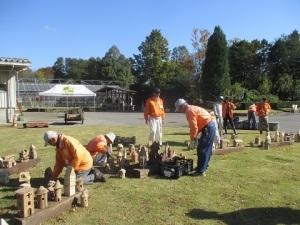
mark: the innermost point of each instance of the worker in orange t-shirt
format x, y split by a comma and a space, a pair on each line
70, 152
263, 109
154, 115
202, 129
227, 113
99, 147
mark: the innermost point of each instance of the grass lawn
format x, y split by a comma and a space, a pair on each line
251, 187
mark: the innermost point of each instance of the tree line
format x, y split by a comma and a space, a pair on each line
237, 68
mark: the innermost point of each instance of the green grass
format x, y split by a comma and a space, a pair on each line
254, 186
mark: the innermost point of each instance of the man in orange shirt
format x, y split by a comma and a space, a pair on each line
227, 113
201, 124
70, 152
154, 115
251, 116
99, 147
263, 109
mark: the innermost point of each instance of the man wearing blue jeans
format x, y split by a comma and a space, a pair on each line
200, 124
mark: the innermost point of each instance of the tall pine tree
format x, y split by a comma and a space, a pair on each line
215, 79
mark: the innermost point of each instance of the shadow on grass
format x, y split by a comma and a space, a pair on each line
270, 216
34, 182
183, 133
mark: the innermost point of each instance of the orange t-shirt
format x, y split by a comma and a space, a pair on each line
155, 108
96, 145
71, 152
228, 106
198, 118
263, 109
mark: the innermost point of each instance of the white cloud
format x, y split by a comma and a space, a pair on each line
48, 28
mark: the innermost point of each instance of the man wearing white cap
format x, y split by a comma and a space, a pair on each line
200, 124
99, 147
70, 152
217, 108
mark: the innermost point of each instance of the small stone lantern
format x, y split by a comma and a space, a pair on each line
42, 197
79, 185
122, 173
134, 156
57, 191
131, 148
32, 152
84, 197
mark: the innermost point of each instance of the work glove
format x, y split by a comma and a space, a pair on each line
193, 144
51, 183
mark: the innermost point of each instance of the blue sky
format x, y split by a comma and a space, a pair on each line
43, 30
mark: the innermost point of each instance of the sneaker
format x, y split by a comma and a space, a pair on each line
197, 174
99, 176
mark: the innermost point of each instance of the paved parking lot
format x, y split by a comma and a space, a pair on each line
287, 122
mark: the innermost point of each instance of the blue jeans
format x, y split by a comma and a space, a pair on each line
88, 178
205, 145
251, 118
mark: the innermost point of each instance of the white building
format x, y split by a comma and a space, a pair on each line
9, 69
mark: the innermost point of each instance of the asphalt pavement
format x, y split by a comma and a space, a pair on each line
287, 122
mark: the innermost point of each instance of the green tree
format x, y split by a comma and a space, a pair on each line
179, 54
114, 66
151, 65
285, 86
293, 48
265, 86
59, 69
92, 68
247, 62
215, 78
76, 68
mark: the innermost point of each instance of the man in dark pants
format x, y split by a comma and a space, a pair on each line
200, 124
227, 113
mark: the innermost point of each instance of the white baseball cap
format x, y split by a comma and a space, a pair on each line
111, 136
49, 135
178, 103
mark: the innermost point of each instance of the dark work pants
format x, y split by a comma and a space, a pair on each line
204, 148
226, 119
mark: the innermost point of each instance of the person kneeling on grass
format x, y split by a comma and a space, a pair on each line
99, 148
70, 152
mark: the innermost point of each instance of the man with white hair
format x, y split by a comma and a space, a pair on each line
99, 147
200, 124
70, 152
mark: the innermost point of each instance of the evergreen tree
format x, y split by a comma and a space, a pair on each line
215, 78
151, 65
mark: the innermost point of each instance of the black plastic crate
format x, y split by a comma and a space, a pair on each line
125, 140
176, 168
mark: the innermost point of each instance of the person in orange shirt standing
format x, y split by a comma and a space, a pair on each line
154, 115
201, 124
251, 117
99, 147
227, 113
263, 109
70, 152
